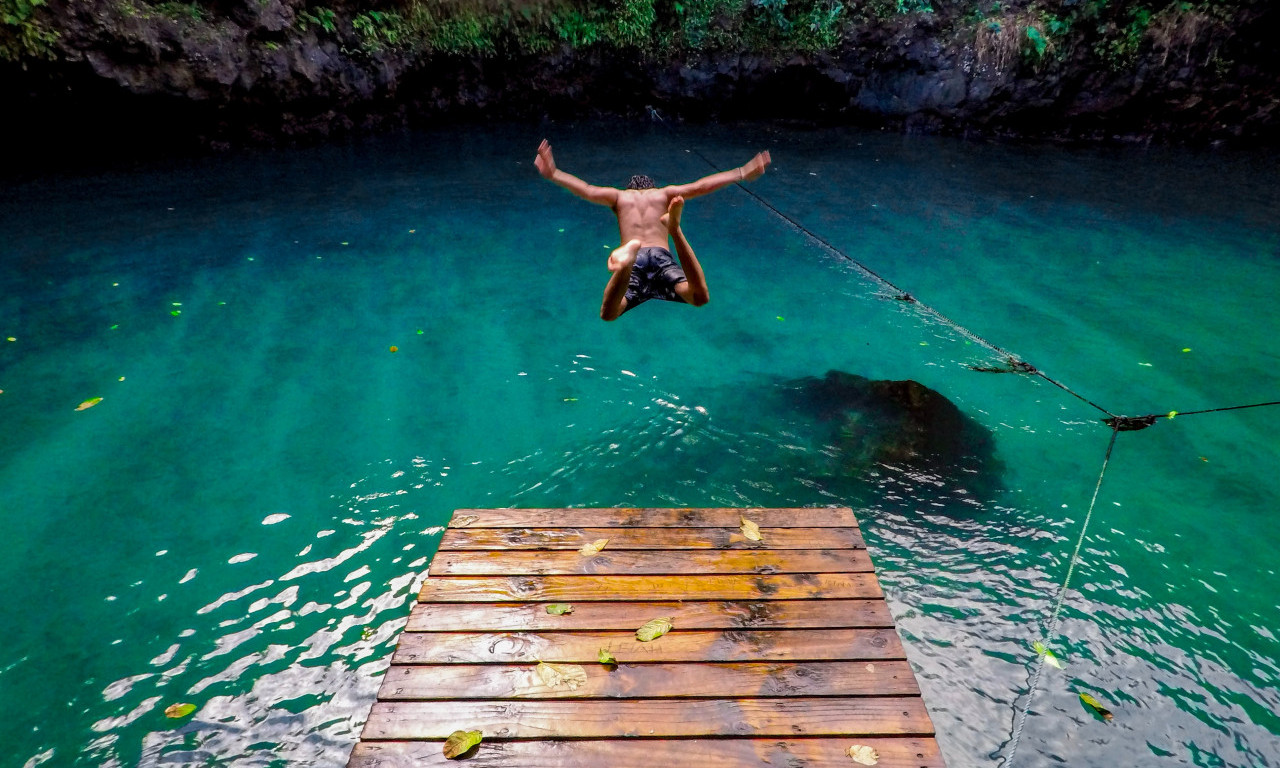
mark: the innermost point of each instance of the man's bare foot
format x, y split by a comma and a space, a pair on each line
671, 219
624, 255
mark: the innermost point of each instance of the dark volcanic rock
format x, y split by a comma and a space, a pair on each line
899, 423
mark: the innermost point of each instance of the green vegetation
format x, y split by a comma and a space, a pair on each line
180, 11
22, 34
1114, 32
1007, 35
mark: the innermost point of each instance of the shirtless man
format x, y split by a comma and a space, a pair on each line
642, 266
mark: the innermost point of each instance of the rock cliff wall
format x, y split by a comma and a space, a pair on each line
266, 70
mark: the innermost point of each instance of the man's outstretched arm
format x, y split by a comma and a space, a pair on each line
753, 169
546, 165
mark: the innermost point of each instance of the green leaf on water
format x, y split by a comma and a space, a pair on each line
460, 742
1096, 706
559, 609
87, 404
1049, 658
179, 711
607, 658
653, 629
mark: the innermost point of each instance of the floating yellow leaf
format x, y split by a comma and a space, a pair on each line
607, 658
653, 629
1096, 706
750, 529
593, 548
559, 609
555, 675
88, 403
460, 742
863, 755
179, 711
1042, 650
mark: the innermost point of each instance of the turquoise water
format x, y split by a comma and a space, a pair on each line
241, 521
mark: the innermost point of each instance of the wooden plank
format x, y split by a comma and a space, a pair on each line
624, 517
650, 538
657, 562
490, 681
902, 752
759, 614
691, 645
651, 718
652, 562
500, 589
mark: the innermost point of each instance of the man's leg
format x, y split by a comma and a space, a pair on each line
621, 261
695, 290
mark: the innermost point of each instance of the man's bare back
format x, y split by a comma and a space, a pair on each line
639, 212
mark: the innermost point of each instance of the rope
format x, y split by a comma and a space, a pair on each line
1052, 631
1215, 410
1014, 363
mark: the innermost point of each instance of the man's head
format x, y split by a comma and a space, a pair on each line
640, 181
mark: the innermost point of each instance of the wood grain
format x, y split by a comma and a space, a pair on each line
679, 645
633, 517
651, 718
756, 614
656, 562
650, 538
500, 589
902, 752
814, 678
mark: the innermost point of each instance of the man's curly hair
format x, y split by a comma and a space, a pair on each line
640, 181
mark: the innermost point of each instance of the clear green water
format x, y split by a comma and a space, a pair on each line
240, 522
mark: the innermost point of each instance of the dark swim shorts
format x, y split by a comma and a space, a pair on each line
655, 275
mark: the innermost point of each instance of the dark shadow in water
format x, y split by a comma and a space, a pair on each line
868, 424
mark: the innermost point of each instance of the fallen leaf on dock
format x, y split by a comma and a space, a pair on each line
593, 548
559, 609
863, 755
1096, 706
459, 742
179, 711
464, 521
87, 404
555, 675
750, 529
653, 629
607, 658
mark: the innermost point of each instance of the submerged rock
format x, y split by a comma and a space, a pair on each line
898, 423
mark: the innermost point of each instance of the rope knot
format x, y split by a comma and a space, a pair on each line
1130, 423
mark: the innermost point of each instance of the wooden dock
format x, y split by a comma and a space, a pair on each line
782, 650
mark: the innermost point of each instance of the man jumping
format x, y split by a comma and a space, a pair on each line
642, 266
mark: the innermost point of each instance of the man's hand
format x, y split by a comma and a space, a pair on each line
753, 170
545, 162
